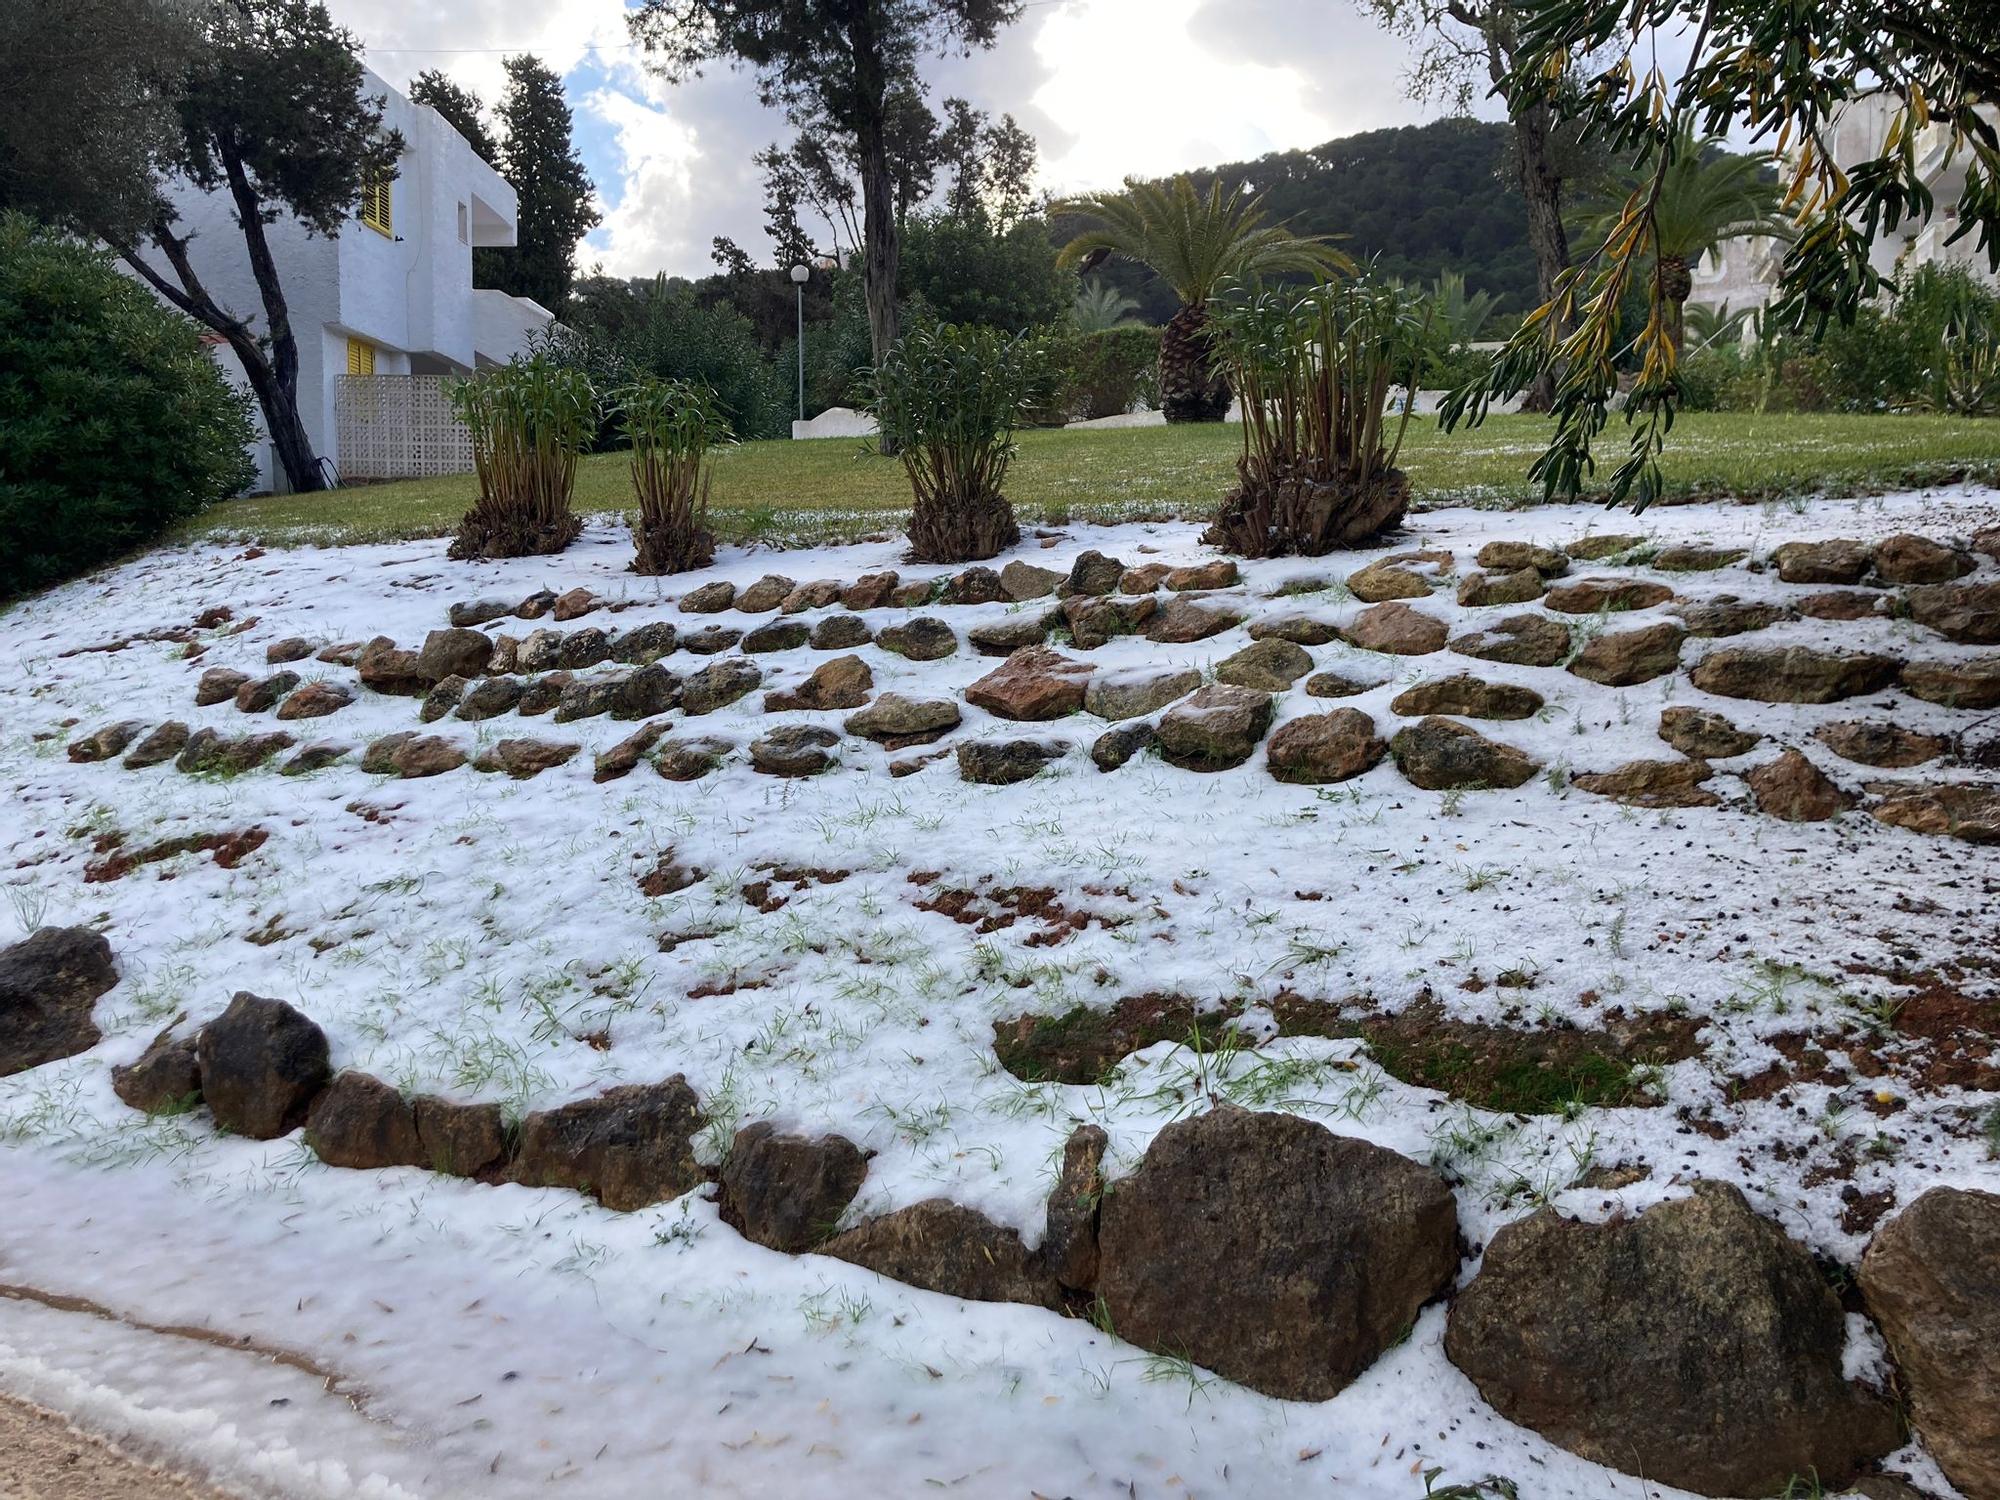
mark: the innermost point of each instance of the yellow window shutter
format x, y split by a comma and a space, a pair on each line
376, 206
360, 357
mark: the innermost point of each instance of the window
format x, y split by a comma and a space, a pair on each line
464, 226
375, 205
360, 357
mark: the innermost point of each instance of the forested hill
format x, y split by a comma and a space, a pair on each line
1419, 199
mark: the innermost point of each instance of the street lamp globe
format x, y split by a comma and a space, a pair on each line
801, 275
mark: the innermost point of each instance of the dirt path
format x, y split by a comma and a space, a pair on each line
43, 1458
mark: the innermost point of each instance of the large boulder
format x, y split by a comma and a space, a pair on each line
262, 1066
363, 1123
629, 1147
1214, 729
1931, 1278
1272, 1251
787, 1192
942, 1247
1321, 748
1032, 686
1693, 1344
1841, 560
1792, 674
49, 984
1442, 755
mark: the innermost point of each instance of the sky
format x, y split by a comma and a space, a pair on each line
1109, 88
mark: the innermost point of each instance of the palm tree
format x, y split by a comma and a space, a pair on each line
1194, 243
1709, 195
1707, 324
1463, 318
1097, 307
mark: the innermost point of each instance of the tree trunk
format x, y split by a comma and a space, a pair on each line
881, 251
1541, 187
1192, 388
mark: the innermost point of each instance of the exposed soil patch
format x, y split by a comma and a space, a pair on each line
996, 910
115, 862
1936, 1037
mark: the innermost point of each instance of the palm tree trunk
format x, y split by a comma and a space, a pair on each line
1192, 388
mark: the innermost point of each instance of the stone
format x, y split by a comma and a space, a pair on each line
1092, 621
1512, 557
1129, 692
1408, 575
1396, 629
643, 693
1144, 579
49, 984
1624, 658
1652, 783
1726, 614
916, 593
718, 684
316, 757
1328, 1247
1440, 755
462, 1140
941, 1247
586, 648
1069, 1235
453, 653
691, 759
623, 758
1967, 683
386, 668
379, 759
1467, 697
261, 694
291, 648
1589, 596
1931, 1280
575, 603
1693, 1343
466, 613
1701, 735
315, 701
766, 594
899, 721
844, 682
629, 1148
1183, 620
525, 759
1525, 640
787, 1192
165, 1079
977, 585
218, 685
1697, 557
208, 753
1004, 762
842, 632
818, 594
1094, 573
1218, 574
644, 644
1957, 811
1597, 548
490, 697
1904, 558
1215, 729
1032, 686
869, 591
341, 653
711, 640
1005, 637
709, 599
442, 699
921, 639
1889, 746
1318, 749
777, 635
1845, 604
793, 750
262, 1066
540, 652
363, 1123
1792, 674
1023, 581
1794, 789
426, 755
1478, 590
535, 606
106, 743
1968, 613
1268, 666
1841, 560
1299, 629
1339, 685
1115, 747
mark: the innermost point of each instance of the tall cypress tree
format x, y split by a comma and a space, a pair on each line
462, 110
538, 158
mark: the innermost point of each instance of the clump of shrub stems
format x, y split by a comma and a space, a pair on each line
529, 420
671, 425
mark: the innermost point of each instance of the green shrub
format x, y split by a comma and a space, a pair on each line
1112, 371
671, 425
967, 272
949, 397
529, 421
115, 421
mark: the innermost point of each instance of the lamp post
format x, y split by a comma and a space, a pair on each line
800, 274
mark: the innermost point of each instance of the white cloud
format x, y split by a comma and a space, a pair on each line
470, 41
656, 222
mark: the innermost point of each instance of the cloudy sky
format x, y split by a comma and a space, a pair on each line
1108, 87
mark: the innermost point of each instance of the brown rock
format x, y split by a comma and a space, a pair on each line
1024, 581
1726, 614
765, 595
1032, 686
575, 604
718, 685
363, 1123
709, 599
1842, 560
261, 695
921, 639
1093, 573
49, 985
1384, 580
1219, 574
844, 682
1844, 604
166, 1078
1142, 580
424, 755
1396, 629
1697, 557
1005, 637
1440, 754
691, 759
899, 721
1597, 548
1653, 783
841, 632
1512, 557
443, 698
1792, 674
1328, 1246
1069, 1240
534, 607
1904, 558
1955, 811
1478, 590
793, 750
1268, 666
1093, 620
1468, 697
1115, 747
1525, 640
622, 758
1318, 749
461, 1140
1968, 683
628, 1148
1215, 729
1181, 621
787, 1192
525, 759
1886, 745
1693, 1343
1339, 685
639, 647
292, 648
869, 591
777, 635
315, 701
218, 685
941, 1247
1135, 691
1589, 596
455, 653
1701, 735
262, 1066
208, 753
1931, 1278
916, 593
316, 757
386, 668
975, 585
1968, 613
488, 698
106, 743
1794, 789
819, 594
1624, 658
1299, 629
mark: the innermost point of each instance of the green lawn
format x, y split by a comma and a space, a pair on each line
795, 493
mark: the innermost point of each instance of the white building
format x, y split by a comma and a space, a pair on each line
386, 308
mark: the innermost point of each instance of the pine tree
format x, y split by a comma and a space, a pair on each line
556, 209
